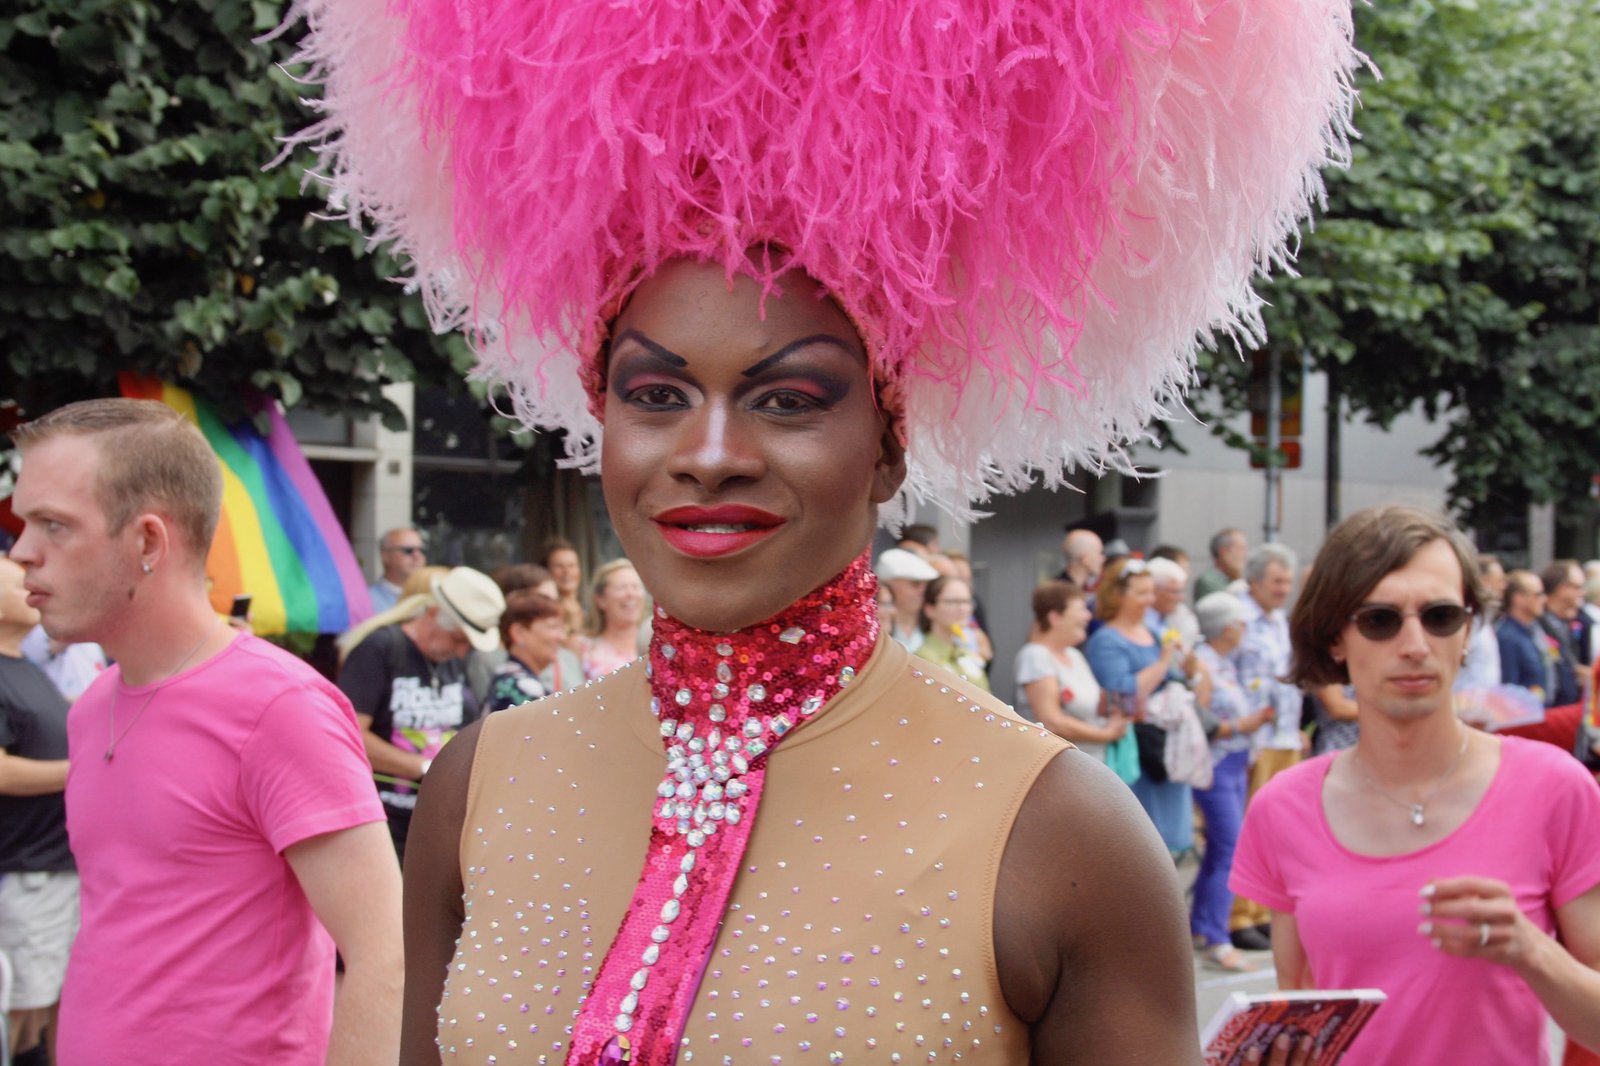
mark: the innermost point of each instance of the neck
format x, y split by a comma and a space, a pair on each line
788, 665
1044, 637
905, 621
1410, 752
167, 616
621, 634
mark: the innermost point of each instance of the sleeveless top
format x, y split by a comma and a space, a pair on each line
860, 929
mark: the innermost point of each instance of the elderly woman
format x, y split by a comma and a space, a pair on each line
795, 258
946, 608
1221, 619
1055, 686
532, 631
1133, 663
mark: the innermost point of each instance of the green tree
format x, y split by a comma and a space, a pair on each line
1455, 266
140, 230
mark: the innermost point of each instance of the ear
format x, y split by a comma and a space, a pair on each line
890, 472
152, 539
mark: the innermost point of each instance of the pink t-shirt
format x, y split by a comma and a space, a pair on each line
1536, 829
197, 943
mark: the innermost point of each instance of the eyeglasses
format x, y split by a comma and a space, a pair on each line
406, 549
1380, 622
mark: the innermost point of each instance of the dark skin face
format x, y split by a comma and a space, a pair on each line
711, 404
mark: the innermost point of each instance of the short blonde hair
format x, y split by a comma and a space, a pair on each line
151, 458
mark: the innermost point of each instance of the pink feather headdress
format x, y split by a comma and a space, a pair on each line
1035, 210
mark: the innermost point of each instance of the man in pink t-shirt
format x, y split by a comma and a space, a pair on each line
218, 799
1454, 870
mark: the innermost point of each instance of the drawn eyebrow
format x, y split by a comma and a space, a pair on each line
794, 346
666, 355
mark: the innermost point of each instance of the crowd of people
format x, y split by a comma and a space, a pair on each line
771, 277
1196, 707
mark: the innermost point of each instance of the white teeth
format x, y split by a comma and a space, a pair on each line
719, 529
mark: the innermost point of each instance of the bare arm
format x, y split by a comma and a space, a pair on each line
1044, 699
353, 884
1339, 706
434, 911
1288, 954
385, 757
21, 776
1091, 940
1562, 973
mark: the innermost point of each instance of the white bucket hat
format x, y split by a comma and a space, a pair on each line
471, 602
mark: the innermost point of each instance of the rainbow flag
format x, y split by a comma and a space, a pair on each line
277, 539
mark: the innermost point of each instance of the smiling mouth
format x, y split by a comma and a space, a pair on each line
707, 532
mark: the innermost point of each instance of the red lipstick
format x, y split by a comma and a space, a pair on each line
707, 532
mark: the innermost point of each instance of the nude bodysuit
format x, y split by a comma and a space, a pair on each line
860, 929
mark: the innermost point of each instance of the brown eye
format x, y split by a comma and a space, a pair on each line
655, 396
787, 401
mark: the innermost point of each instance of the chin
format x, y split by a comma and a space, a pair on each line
1414, 710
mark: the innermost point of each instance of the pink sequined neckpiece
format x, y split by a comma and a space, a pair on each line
725, 700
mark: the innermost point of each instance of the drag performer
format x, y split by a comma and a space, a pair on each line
805, 262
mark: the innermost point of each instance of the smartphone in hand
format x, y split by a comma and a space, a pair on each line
241, 606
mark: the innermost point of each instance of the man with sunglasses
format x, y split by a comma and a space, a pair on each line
1453, 869
1526, 654
401, 553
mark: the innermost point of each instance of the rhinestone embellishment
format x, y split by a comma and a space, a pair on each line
756, 690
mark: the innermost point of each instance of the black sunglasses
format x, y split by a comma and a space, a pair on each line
407, 549
1379, 622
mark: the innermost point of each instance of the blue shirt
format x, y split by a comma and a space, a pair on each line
1116, 660
1522, 656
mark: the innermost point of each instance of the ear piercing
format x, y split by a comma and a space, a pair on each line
148, 568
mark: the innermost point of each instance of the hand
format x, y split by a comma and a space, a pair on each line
1477, 918
1284, 1052
1191, 666
1116, 727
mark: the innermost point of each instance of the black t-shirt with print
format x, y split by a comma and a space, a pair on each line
416, 705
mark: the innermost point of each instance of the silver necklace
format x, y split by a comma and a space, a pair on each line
1418, 810
113, 738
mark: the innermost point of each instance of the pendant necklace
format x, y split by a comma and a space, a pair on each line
113, 738
1418, 809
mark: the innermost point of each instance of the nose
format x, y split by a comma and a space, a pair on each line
22, 552
717, 446
1412, 640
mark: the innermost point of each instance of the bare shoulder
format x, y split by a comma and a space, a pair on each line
1091, 938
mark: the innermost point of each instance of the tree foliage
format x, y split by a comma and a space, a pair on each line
1455, 265
140, 230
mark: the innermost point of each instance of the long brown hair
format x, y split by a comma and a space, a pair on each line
1360, 552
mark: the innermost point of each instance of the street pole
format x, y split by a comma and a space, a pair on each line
1269, 524
1333, 472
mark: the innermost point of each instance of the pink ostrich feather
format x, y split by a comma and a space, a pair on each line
1035, 210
